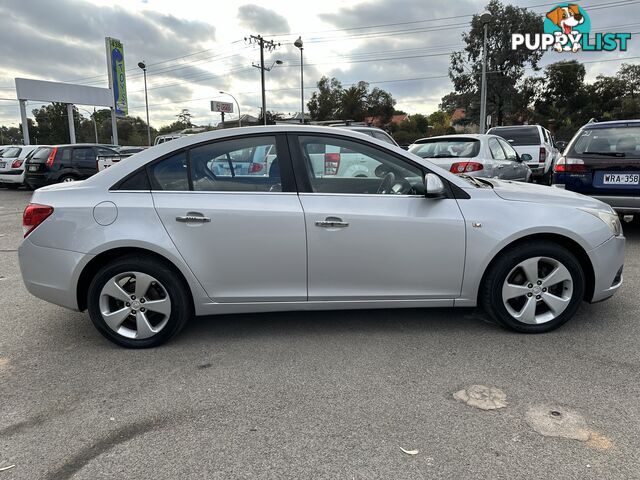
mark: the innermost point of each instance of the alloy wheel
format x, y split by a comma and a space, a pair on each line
537, 290
135, 305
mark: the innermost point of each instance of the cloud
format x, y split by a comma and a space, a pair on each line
262, 20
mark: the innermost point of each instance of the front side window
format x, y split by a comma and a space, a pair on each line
337, 165
237, 165
496, 149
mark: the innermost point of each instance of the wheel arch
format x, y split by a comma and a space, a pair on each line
571, 245
103, 258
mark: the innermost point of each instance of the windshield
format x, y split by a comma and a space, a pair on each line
518, 135
447, 148
611, 142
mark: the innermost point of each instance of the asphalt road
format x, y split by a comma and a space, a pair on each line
314, 395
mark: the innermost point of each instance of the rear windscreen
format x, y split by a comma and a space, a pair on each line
11, 152
614, 141
447, 148
519, 135
41, 154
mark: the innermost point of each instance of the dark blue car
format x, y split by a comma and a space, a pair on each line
603, 161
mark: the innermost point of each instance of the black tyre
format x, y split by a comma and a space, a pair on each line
138, 302
534, 287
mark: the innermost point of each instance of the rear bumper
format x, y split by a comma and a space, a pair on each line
37, 181
12, 176
621, 204
607, 261
50, 273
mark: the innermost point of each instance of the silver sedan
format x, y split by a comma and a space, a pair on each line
478, 155
164, 235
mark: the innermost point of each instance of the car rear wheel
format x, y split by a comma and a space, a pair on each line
138, 302
533, 288
67, 178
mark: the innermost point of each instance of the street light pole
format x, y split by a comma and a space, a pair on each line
298, 43
485, 18
237, 103
93, 117
143, 66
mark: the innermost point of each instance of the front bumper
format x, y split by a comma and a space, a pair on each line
50, 273
607, 261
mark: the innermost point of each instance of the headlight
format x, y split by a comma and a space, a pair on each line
610, 218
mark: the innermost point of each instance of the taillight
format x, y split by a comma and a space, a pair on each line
33, 216
463, 167
51, 158
17, 163
543, 155
255, 168
572, 165
331, 163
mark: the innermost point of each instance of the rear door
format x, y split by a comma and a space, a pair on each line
84, 161
503, 166
518, 169
243, 235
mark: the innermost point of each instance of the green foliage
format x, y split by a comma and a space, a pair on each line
331, 102
505, 66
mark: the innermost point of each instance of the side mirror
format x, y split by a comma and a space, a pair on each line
434, 188
525, 157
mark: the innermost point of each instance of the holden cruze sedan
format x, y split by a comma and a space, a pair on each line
167, 234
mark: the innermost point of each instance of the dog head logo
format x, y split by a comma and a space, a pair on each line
568, 23
566, 18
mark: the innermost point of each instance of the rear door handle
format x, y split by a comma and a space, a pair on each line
193, 219
332, 222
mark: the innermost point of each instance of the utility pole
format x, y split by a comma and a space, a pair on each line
270, 45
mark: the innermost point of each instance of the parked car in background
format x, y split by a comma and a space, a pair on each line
371, 131
12, 161
160, 139
477, 155
106, 161
63, 163
603, 161
159, 238
536, 141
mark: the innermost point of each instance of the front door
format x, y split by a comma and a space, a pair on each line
376, 238
241, 231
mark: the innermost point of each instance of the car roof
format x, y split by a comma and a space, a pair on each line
475, 136
500, 127
613, 123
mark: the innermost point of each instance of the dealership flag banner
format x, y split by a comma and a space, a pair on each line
117, 79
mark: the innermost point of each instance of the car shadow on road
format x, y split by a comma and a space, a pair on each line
414, 320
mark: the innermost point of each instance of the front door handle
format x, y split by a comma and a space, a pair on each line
332, 222
190, 218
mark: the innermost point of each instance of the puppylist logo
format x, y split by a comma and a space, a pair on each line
567, 28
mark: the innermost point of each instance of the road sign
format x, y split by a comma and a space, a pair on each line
221, 107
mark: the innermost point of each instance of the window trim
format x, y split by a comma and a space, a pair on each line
303, 179
284, 160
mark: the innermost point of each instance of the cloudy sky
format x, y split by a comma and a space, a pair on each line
193, 48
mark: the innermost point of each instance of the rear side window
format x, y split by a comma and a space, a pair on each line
518, 136
137, 181
496, 149
238, 165
384, 137
170, 173
84, 155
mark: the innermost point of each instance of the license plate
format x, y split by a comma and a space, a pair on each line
33, 168
3, 164
621, 179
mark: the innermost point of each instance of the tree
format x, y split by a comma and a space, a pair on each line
52, 123
184, 117
325, 102
353, 102
380, 104
505, 66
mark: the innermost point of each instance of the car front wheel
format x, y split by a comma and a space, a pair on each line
534, 287
138, 302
